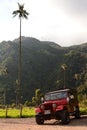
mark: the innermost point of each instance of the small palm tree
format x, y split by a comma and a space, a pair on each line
22, 14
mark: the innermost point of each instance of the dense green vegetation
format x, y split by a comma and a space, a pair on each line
41, 68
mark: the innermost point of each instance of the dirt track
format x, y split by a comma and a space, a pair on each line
29, 124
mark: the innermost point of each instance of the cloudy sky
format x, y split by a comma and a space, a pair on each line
60, 21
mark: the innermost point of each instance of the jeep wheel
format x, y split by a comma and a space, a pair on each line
77, 113
39, 120
65, 117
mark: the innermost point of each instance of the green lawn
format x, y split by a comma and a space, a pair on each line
83, 107
83, 111
27, 112
2, 113
15, 113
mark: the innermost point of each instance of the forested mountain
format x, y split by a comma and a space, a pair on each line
41, 67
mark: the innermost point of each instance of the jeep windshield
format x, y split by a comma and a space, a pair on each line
56, 95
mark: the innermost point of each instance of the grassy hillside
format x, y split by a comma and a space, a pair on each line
41, 67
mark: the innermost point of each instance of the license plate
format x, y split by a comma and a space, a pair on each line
47, 112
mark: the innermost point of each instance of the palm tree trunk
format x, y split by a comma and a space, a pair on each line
64, 79
20, 55
19, 68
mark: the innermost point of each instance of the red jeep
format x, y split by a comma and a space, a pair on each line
59, 105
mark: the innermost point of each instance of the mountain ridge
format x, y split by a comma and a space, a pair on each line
41, 66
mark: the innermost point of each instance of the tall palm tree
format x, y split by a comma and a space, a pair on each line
22, 14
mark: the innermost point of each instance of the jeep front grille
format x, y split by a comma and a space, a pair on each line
48, 106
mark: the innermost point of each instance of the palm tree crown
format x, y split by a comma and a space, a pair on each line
22, 13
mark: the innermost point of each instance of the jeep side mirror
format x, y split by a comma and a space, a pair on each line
71, 96
42, 99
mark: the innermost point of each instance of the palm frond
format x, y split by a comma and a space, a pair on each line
26, 12
15, 13
25, 16
22, 13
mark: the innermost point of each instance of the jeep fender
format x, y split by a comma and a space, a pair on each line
37, 110
61, 107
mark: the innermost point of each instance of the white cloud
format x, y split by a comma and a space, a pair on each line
55, 20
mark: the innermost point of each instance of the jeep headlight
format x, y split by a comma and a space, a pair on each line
42, 107
54, 105
67, 99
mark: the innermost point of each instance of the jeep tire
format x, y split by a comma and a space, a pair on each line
39, 120
65, 118
77, 113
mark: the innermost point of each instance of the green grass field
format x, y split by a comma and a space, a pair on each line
83, 107
27, 112
83, 111
15, 113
